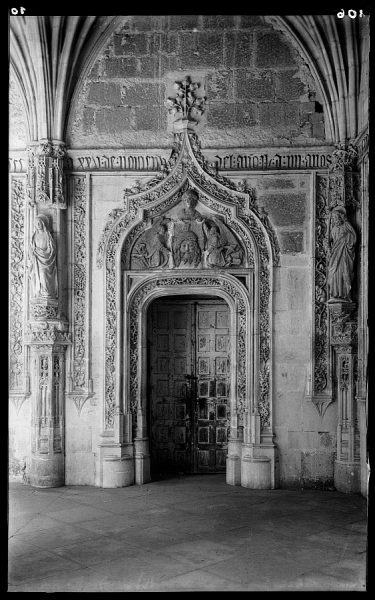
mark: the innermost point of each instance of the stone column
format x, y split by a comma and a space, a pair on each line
47, 333
344, 343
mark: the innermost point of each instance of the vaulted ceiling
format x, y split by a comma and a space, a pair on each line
49, 55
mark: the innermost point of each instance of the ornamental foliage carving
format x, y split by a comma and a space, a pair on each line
16, 285
187, 102
79, 276
321, 342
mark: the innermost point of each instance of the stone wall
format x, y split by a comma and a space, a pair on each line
306, 441
258, 89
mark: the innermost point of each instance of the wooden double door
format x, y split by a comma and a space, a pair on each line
189, 364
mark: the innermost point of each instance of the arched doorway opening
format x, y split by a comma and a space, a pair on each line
189, 356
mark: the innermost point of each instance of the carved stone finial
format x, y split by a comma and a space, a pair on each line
187, 106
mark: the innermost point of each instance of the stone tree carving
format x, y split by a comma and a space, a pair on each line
42, 262
187, 103
342, 240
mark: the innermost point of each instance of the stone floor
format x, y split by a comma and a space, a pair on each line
195, 533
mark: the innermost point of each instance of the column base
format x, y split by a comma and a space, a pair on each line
347, 477
233, 463
47, 472
142, 461
256, 472
116, 465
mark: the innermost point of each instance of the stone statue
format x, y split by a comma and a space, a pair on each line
43, 271
190, 197
186, 250
342, 239
220, 253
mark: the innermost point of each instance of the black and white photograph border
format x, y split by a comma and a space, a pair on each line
188, 300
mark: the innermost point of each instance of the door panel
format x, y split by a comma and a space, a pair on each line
189, 386
211, 418
170, 362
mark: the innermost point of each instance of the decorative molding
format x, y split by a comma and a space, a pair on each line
274, 161
321, 325
45, 174
44, 332
79, 284
115, 162
188, 169
44, 311
205, 280
16, 285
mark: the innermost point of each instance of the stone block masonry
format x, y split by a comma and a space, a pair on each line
253, 79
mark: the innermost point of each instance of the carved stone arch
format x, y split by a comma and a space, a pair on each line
225, 286
249, 285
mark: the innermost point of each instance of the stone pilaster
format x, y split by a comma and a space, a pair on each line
48, 342
344, 343
47, 332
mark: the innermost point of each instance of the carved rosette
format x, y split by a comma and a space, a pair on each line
321, 334
16, 286
45, 181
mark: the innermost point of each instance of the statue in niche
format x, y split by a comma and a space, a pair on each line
186, 250
42, 266
220, 253
156, 253
342, 240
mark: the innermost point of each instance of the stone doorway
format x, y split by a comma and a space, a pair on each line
188, 384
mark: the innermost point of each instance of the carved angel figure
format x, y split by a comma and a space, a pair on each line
220, 253
341, 255
42, 266
158, 255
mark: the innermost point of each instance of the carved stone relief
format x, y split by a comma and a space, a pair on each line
187, 239
321, 337
16, 286
79, 284
45, 182
171, 236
